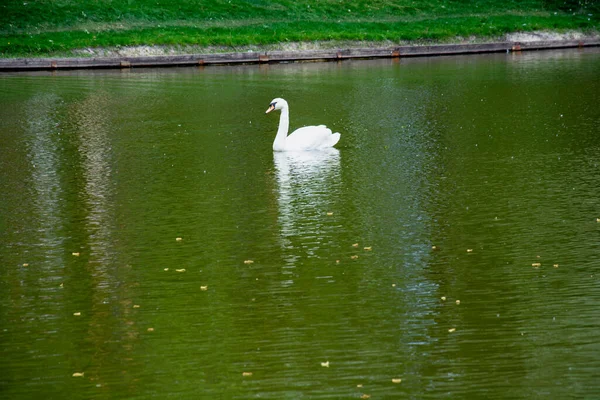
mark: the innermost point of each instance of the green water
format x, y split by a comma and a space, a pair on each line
467, 178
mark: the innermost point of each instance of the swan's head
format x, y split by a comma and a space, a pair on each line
276, 104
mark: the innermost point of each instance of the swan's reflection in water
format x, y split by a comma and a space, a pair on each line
308, 183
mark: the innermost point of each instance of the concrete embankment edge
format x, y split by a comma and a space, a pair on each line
33, 64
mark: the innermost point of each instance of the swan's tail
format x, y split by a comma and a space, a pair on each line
335, 137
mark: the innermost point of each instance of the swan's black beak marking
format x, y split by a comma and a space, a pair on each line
271, 108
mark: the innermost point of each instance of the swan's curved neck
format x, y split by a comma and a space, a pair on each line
282, 131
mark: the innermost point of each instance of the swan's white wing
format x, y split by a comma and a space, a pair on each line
311, 138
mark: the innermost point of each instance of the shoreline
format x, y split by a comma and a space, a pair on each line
302, 52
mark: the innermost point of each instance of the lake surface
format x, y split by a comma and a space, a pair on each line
152, 244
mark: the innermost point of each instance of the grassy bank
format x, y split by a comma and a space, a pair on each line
56, 27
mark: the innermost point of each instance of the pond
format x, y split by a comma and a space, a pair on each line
154, 246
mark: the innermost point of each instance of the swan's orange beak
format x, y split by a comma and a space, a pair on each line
271, 108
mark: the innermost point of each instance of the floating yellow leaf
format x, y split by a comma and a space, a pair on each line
355, 245
354, 257
359, 385
469, 250
178, 239
248, 262
78, 374
433, 247
555, 265
77, 314
452, 330
246, 373
329, 214
536, 265
203, 287
597, 219
457, 302
443, 298
337, 261
76, 254
166, 269
368, 248
136, 306
180, 270
26, 265
396, 380
365, 396
393, 285
61, 285
150, 329
325, 364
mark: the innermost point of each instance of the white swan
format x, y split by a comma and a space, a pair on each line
306, 138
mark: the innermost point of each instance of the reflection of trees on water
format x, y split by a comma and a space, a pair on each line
92, 124
42, 119
72, 182
91, 119
494, 181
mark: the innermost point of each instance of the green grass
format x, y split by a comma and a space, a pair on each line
49, 27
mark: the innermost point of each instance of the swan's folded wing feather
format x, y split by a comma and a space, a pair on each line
312, 137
